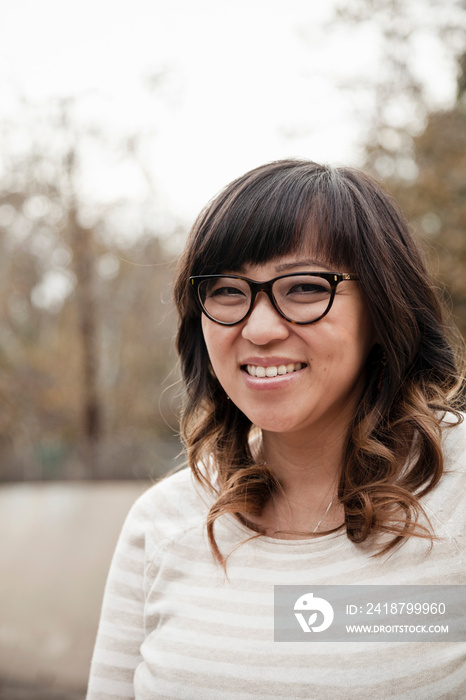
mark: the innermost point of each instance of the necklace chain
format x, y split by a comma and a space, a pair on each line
316, 527
275, 508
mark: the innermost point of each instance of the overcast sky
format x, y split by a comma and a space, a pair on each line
243, 83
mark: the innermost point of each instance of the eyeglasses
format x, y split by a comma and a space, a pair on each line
300, 298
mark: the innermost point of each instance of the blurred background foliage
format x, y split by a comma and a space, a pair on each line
418, 147
87, 371
88, 376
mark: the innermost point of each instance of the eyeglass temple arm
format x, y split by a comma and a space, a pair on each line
349, 276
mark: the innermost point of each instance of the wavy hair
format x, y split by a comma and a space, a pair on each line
393, 453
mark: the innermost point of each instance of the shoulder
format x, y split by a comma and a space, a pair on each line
445, 504
454, 444
171, 505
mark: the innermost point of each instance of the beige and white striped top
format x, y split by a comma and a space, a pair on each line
173, 626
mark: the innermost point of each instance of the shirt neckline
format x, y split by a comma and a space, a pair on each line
323, 542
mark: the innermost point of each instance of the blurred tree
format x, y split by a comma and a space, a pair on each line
84, 324
435, 199
417, 46
416, 141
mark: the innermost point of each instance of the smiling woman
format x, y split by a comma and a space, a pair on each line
327, 359
324, 444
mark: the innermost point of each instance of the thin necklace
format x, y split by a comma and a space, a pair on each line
316, 527
275, 509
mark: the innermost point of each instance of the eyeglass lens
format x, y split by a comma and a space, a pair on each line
302, 298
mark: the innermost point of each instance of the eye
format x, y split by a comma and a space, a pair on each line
304, 289
308, 288
225, 291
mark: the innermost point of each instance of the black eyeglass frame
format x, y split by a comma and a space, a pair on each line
333, 278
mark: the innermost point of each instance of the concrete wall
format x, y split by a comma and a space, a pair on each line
56, 543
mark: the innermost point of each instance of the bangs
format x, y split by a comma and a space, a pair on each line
292, 208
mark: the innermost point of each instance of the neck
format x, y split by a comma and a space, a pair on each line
308, 469
306, 465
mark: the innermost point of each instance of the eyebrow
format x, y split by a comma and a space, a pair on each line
283, 267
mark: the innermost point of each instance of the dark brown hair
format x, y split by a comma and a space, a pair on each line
393, 454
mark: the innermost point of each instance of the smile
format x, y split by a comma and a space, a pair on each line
273, 371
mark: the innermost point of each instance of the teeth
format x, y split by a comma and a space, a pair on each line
258, 371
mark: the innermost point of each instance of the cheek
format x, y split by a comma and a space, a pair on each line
218, 340
342, 348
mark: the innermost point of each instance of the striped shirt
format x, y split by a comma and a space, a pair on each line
174, 626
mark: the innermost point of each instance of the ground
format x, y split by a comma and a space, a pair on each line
56, 543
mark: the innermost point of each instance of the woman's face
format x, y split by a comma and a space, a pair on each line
324, 361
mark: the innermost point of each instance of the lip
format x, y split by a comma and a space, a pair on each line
270, 361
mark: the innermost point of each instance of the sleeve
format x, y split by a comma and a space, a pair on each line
121, 627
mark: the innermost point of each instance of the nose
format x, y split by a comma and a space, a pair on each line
264, 324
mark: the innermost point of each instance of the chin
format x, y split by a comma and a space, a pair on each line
277, 424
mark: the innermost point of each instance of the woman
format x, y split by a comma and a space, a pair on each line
324, 443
